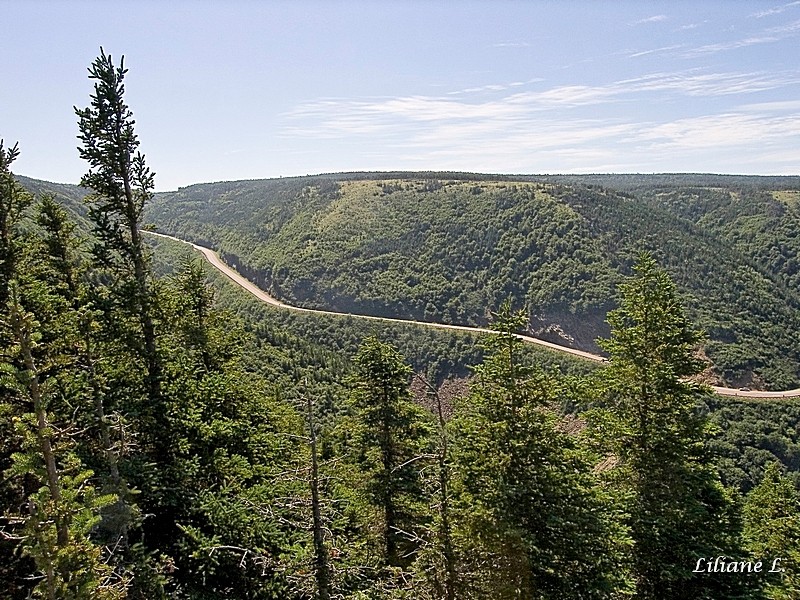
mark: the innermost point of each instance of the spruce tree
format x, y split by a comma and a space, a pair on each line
13, 202
65, 508
677, 509
531, 522
121, 184
44, 394
772, 531
392, 436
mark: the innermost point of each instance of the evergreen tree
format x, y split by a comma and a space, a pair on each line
677, 509
225, 505
122, 184
65, 508
391, 437
532, 523
13, 201
44, 395
772, 530
59, 244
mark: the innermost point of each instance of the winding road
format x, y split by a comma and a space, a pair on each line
212, 257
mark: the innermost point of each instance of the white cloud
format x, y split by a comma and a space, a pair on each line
772, 34
775, 10
722, 46
568, 127
692, 83
653, 19
511, 45
332, 117
494, 87
785, 29
655, 51
777, 106
723, 131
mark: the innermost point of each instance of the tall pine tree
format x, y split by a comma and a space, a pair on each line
121, 184
531, 522
677, 509
392, 434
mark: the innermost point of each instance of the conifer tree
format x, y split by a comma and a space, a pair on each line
13, 201
59, 243
121, 184
772, 531
678, 510
64, 510
44, 393
226, 509
532, 523
391, 438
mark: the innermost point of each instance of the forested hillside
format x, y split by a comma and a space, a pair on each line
164, 435
450, 247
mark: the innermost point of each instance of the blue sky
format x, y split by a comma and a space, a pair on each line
244, 90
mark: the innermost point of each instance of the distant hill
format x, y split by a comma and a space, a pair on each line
68, 195
451, 247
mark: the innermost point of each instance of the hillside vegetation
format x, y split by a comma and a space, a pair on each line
165, 436
452, 247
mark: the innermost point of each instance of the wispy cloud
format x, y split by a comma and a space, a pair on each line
772, 34
551, 129
511, 45
338, 116
494, 87
775, 10
653, 19
789, 28
777, 106
723, 131
656, 50
709, 84
733, 45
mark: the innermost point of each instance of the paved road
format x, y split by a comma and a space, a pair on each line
212, 257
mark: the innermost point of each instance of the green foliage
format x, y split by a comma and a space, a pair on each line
39, 360
751, 434
73, 568
220, 475
121, 181
677, 511
389, 437
772, 530
14, 199
532, 524
404, 247
121, 184
149, 443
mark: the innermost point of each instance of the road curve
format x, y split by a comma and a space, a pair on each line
212, 257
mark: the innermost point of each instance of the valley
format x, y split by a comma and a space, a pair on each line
214, 259
451, 247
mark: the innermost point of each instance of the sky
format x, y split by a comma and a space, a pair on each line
256, 89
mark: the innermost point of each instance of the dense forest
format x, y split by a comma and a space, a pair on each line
164, 435
450, 248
